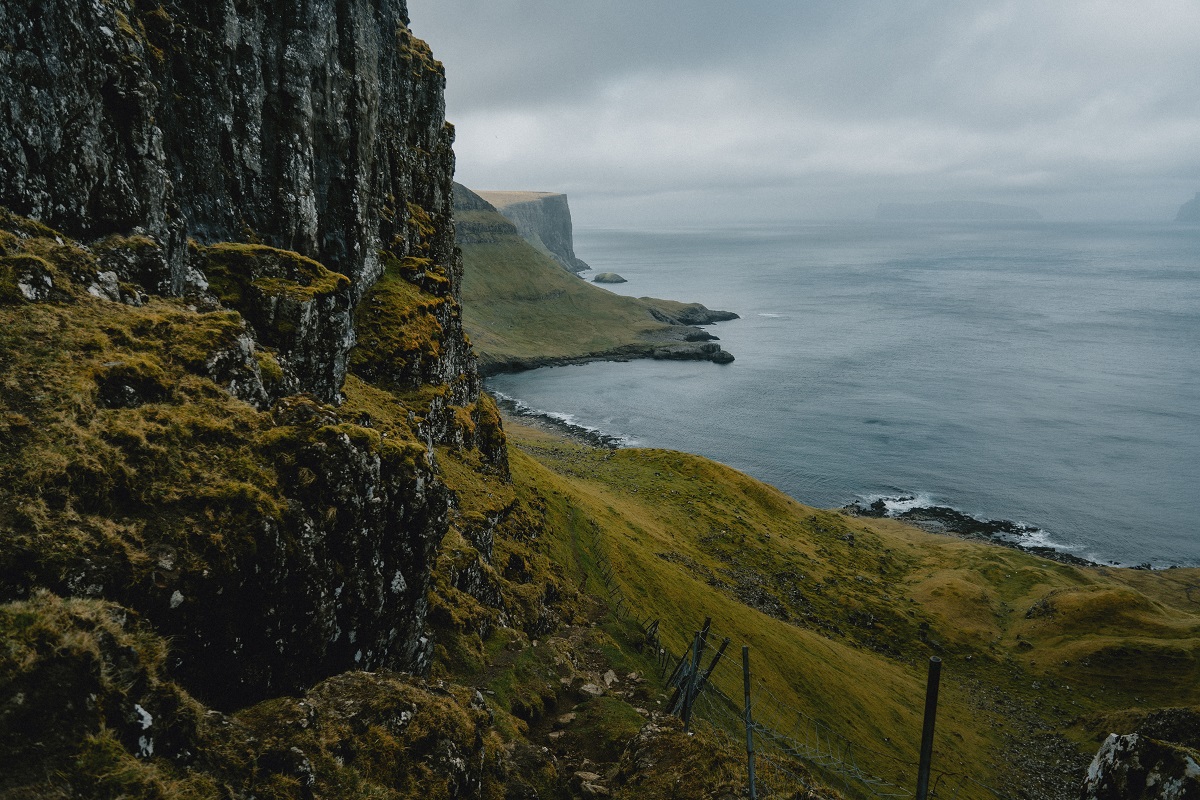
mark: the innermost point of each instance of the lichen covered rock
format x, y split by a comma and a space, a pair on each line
145, 464
1135, 767
294, 305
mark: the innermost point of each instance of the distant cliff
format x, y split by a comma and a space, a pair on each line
523, 311
1189, 211
955, 210
544, 220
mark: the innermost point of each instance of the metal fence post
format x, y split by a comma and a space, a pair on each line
749, 721
931, 699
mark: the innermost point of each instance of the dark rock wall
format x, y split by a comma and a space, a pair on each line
304, 125
154, 132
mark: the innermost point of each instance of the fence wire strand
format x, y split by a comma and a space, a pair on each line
787, 740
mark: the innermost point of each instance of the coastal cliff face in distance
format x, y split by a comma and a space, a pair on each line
544, 220
1189, 211
522, 310
229, 227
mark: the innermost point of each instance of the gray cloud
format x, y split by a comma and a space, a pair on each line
647, 110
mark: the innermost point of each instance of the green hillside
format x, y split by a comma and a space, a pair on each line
842, 614
521, 309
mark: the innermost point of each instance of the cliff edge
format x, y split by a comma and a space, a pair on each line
523, 311
544, 220
231, 225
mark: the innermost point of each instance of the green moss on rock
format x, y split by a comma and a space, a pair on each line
233, 269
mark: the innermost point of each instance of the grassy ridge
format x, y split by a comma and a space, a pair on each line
842, 613
521, 309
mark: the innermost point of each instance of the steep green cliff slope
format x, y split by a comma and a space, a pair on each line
523, 310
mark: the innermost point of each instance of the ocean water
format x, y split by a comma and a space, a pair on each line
1039, 372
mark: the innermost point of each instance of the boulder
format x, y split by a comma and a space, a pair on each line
1135, 767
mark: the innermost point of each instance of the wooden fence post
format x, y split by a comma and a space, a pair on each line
931, 699
749, 718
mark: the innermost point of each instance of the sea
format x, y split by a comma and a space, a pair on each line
1045, 373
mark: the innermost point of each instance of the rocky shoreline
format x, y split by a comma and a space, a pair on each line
514, 410
683, 341
952, 522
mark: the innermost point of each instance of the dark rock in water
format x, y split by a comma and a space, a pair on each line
1134, 767
943, 519
1189, 211
877, 509
699, 351
957, 522
608, 277
690, 314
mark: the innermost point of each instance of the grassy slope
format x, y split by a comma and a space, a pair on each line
841, 613
1030, 646
521, 306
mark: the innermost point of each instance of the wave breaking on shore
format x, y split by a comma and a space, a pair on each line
921, 510
565, 424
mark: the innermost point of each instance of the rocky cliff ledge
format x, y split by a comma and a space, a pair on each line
230, 231
544, 220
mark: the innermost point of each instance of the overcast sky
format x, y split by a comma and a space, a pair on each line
691, 111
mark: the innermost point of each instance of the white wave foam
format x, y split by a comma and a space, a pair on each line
899, 504
1029, 536
569, 421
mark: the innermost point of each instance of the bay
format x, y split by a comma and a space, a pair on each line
1040, 372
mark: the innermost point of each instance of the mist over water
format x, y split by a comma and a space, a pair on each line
1039, 372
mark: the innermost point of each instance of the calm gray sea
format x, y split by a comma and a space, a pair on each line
1040, 372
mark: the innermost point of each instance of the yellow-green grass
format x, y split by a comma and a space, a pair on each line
1027, 643
520, 306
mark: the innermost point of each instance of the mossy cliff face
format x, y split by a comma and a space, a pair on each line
202, 195
306, 126
277, 544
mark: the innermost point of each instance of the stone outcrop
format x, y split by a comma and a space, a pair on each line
317, 130
1189, 211
608, 277
544, 220
285, 170
1135, 767
308, 127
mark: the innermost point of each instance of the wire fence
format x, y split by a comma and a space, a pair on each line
796, 755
